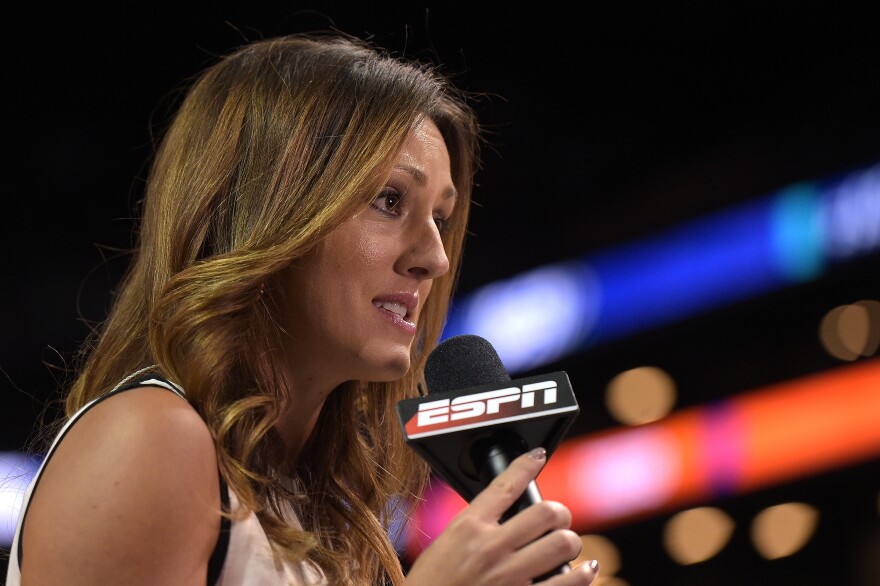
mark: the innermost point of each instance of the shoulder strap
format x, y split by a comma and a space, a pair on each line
143, 378
221, 548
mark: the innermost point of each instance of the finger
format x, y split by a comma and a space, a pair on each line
535, 521
546, 553
508, 486
583, 575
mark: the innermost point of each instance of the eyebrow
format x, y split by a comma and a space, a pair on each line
421, 179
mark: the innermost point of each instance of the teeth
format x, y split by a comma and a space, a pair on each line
392, 306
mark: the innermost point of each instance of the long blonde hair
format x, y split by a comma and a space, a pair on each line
273, 147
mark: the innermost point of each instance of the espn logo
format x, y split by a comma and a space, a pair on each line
485, 403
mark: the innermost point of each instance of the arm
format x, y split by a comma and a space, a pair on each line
476, 550
131, 496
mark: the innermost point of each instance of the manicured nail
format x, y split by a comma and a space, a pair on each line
538, 454
594, 569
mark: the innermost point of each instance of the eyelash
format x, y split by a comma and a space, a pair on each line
386, 193
389, 192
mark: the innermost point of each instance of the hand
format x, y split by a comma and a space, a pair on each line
475, 549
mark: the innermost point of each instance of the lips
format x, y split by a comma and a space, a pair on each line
398, 308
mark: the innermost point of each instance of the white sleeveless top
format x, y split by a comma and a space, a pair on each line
242, 556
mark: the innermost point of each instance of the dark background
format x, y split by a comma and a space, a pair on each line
606, 123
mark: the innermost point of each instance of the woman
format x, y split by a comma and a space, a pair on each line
302, 225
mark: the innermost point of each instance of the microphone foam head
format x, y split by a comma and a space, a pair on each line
462, 362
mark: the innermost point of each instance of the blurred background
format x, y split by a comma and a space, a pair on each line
679, 207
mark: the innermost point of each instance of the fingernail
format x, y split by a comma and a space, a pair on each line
538, 453
594, 568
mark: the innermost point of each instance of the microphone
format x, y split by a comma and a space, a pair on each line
475, 420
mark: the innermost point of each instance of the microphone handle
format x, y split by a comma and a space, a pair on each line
496, 460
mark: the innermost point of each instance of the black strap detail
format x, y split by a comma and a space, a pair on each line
140, 381
218, 556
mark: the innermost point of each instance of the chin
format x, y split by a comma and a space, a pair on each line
391, 367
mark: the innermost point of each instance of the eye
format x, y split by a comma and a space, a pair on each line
442, 224
388, 201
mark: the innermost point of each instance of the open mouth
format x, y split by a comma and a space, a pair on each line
394, 307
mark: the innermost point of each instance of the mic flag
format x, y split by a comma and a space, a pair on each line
473, 409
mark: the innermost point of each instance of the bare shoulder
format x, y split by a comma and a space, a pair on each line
131, 495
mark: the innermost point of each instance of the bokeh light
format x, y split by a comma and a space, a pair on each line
782, 530
696, 535
850, 331
640, 395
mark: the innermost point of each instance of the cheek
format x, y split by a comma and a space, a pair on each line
424, 291
354, 253
368, 250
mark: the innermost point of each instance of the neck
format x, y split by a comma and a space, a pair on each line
306, 398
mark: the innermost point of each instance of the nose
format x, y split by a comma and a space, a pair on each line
425, 256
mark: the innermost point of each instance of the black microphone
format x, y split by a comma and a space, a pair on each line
475, 420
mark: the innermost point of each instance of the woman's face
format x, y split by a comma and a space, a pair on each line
354, 302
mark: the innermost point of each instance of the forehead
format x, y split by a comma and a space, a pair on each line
424, 156
424, 141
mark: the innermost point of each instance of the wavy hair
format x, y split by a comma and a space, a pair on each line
273, 147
